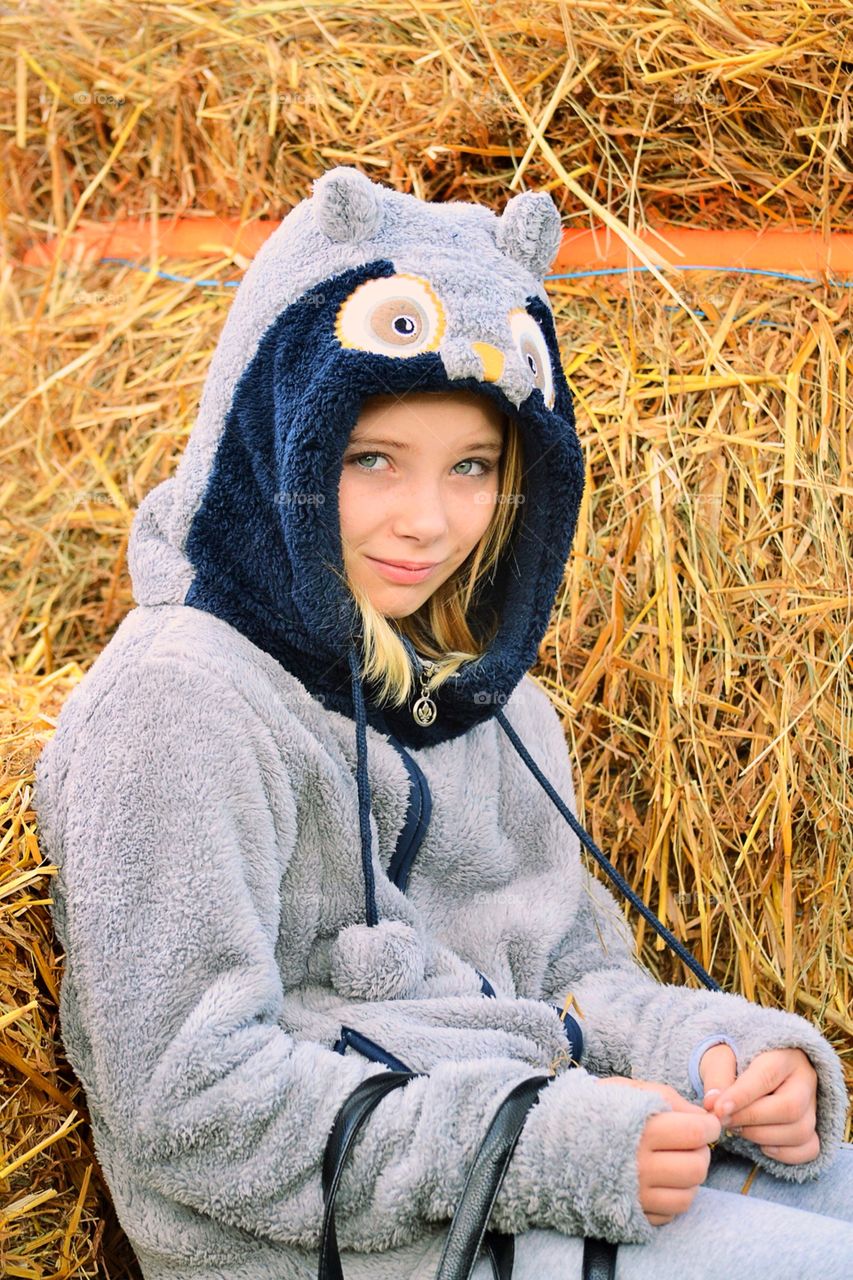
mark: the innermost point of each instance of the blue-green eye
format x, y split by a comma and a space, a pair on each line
483, 462
487, 466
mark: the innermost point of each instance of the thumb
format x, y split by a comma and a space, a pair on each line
717, 1070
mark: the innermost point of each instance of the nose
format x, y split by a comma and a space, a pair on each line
492, 359
424, 514
420, 511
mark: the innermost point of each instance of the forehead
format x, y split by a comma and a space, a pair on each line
466, 412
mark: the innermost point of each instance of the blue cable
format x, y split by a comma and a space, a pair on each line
565, 275
751, 271
167, 275
748, 271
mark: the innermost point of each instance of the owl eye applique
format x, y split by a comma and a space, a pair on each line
530, 342
399, 315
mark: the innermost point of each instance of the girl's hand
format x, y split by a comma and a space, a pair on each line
673, 1155
773, 1102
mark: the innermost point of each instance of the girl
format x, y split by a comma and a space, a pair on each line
300, 815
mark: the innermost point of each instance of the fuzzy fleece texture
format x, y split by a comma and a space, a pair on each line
224, 805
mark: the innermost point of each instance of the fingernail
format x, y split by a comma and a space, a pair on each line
727, 1109
772, 1151
711, 1093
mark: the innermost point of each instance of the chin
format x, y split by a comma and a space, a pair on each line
393, 602
397, 610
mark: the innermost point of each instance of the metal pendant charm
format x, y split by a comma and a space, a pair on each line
424, 711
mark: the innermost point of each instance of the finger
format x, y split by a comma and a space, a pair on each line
717, 1070
670, 1200
780, 1135
763, 1075
651, 1086
681, 1104
679, 1169
795, 1155
676, 1100
674, 1131
786, 1105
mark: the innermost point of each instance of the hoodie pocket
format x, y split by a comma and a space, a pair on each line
369, 1048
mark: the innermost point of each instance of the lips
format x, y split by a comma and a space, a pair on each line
406, 564
398, 573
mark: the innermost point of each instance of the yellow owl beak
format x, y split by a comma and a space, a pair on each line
492, 358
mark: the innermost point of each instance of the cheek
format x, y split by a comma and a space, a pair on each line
480, 514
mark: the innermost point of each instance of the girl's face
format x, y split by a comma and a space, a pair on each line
418, 486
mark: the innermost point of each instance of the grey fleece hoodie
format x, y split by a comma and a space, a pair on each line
269, 887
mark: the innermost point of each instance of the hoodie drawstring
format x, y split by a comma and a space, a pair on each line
606, 865
363, 784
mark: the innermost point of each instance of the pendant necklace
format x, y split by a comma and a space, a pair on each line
424, 711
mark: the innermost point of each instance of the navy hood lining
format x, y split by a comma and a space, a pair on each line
263, 537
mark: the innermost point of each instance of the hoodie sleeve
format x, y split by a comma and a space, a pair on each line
179, 829
635, 1026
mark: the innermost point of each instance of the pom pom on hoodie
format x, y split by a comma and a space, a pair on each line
384, 961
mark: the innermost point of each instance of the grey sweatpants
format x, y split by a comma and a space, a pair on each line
775, 1231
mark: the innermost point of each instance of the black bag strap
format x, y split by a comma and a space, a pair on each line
599, 1259
469, 1228
501, 1251
351, 1116
482, 1185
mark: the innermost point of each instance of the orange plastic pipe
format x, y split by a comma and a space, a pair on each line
175, 238
801, 252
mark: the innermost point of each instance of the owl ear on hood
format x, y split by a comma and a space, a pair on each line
347, 205
529, 231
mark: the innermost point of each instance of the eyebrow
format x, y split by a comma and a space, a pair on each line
485, 446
